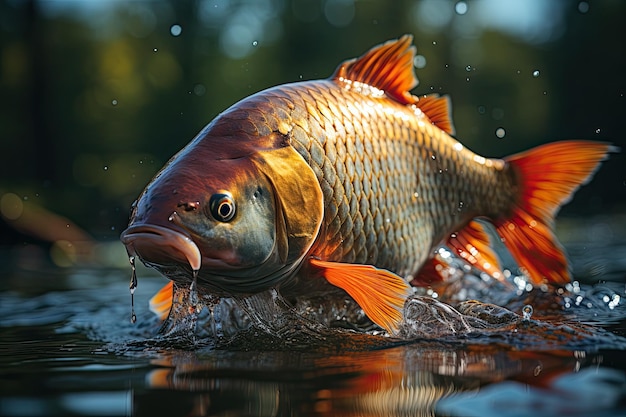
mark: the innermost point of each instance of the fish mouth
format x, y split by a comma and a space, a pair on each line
161, 245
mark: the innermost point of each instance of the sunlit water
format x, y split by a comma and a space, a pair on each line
69, 347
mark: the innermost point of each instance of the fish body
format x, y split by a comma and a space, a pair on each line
355, 180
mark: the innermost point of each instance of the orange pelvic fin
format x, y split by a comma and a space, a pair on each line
161, 302
472, 244
547, 176
380, 293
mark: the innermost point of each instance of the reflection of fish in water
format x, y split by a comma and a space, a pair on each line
352, 179
409, 380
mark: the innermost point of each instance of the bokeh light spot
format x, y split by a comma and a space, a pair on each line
11, 206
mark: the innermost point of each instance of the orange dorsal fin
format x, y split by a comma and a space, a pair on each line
472, 244
161, 302
438, 109
547, 176
387, 67
380, 293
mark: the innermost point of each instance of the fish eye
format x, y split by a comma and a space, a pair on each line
222, 207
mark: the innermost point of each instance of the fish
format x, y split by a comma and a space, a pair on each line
351, 181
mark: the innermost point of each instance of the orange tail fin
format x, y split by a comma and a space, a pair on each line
547, 176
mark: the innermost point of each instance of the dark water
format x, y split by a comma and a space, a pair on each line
68, 348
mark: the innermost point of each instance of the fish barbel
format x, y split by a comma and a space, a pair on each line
355, 180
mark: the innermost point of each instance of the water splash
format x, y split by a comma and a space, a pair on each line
132, 287
183, 316
193, 293
425, 317
527, 312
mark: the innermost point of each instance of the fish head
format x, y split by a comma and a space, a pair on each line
243, 224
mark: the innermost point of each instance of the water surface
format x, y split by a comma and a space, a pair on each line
69, 348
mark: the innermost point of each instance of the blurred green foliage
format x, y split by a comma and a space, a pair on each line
97, 96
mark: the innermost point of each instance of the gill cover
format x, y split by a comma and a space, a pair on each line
299, 200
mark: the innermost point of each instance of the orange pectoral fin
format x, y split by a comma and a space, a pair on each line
380, 293
161, 302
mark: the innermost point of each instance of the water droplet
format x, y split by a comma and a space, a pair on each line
255, 43
527, 312
132, 287
460, 8
500, 132
155, 49
106, 168
199, 90
536, 73
583, 7
598, 130
433, 157
467, 79
114, 102
176, 30
419, 61
468, 68
434, 42
482, 109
